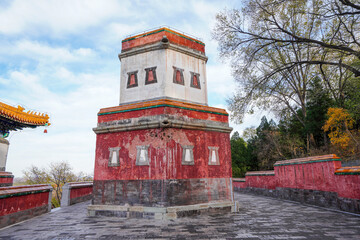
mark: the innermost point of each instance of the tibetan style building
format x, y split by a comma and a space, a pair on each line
163, 152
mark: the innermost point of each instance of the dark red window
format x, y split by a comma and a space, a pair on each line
150, 75
132, 79
178, 76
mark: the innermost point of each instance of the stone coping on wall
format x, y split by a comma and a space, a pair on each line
260, 173
239, 180
162, 103
79, 184
6, 192
355, 170
6, 175
315, 159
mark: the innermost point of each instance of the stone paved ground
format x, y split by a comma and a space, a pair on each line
259, 218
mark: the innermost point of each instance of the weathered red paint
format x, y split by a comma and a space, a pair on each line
10, 204
348, 186
267, 182
80, 191
165, 154
173, 37
316, 176
239, 183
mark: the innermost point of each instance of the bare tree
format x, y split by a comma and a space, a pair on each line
57, 175
276, 46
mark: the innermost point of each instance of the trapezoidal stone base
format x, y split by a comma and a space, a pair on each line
162, 212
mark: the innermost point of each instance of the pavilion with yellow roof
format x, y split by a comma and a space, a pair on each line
13, 119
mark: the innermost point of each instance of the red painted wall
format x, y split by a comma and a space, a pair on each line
239, 184
316, 176
319, 174
267, 182
165, 154
348, 186
11, 204
80, 192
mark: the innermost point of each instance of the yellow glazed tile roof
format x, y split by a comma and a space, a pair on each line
18, 115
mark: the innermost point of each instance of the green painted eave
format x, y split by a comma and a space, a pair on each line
23, 193
347, 173
6, 176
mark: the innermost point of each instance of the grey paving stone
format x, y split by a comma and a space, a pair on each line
259, 218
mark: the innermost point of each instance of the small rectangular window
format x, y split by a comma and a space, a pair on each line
132, 79
150, 75
214, 156
114, 158
195, 80
178, 76
142, 155
187, 155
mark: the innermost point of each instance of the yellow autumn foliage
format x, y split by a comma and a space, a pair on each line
339, 125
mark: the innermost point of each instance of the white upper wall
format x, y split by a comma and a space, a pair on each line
164, 59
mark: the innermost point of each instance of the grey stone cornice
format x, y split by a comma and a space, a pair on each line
161, 121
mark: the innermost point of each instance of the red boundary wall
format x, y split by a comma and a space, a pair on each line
318, 180
75, 192
23, 202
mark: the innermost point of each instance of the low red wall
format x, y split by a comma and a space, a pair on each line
81, 191
261, 179
348, 182
23, 202
6, 179
315, 173
75, 192
239, 183
299, 178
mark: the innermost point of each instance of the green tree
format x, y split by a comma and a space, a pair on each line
239, 156
317, 103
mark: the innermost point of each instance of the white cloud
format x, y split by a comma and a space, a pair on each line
64, 62
220, 80
72, 115
58, 17
43, 52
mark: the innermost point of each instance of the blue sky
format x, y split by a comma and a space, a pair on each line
60, 57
